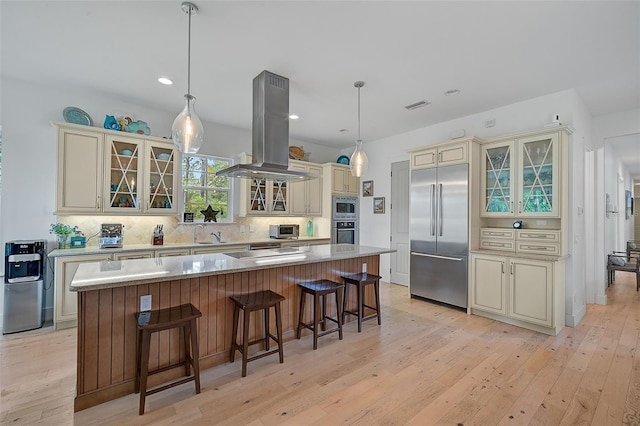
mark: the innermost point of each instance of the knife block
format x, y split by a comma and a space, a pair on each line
158, 241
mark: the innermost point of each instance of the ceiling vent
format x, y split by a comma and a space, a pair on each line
417, 105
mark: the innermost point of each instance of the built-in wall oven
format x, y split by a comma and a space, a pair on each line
344, 232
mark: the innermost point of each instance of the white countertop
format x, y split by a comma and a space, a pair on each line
169, 246
109, 274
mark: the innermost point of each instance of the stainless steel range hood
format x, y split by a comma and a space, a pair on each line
270, 141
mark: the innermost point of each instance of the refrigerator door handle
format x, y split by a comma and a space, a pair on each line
440, 215
433, 209
457, 259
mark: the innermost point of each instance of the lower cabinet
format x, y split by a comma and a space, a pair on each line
529, 293
141, 254
66, 301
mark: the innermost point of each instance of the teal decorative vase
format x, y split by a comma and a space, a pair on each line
309, 229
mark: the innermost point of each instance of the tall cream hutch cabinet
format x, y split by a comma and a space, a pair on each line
518, 269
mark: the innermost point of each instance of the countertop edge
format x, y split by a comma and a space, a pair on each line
237, 266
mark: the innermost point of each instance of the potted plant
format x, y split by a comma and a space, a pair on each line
62, 232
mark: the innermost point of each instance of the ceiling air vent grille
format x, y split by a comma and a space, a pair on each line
417, 105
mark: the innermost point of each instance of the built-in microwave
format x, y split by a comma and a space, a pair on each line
344, 207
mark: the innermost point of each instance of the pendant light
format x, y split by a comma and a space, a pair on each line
187, 131
359, 161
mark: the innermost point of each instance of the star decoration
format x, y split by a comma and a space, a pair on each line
210, 214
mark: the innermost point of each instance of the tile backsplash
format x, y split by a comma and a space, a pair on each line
139, 229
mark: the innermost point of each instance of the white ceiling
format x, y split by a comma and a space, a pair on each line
496, 53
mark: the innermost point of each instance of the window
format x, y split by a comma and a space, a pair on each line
202, 188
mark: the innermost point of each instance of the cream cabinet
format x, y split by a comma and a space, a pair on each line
173, 252
263, 197
139, 254
521, 291
306, 197
79, 174
66, 301
305, 243
521, 177
441, 155
339, 180
102, 171
218, 248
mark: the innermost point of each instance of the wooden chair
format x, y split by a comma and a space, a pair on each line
618, 261
183, 316
633, 249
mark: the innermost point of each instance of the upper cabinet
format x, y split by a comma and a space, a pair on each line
101, 171
306, 197
520, 177
340, 179
79, 176
266, 197
445, 155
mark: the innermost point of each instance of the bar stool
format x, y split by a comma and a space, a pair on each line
319, 290
361, 280
261, 300
153, 321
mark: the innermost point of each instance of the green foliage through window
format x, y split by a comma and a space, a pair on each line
201, 187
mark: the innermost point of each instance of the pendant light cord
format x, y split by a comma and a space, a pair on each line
189, 55
358, 84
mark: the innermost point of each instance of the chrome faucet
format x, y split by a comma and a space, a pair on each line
218, 236
195, 233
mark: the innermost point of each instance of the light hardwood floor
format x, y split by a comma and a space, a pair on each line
425, 365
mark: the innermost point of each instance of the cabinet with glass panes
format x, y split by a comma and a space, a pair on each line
261, 197
105, 171
520, 177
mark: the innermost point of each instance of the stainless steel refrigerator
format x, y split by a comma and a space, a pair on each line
439, 234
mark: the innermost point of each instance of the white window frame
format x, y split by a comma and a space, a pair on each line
230, 190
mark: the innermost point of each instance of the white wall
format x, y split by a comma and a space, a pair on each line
519, 117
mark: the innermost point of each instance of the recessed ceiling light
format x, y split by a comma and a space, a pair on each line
452, 92
293, 116
417, 105
165, 81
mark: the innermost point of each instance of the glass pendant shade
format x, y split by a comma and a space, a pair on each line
359, 161
187, 131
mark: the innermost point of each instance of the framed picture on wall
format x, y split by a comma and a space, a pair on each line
628, 205
378, 205
367, 188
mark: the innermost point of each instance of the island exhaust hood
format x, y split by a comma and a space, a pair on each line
270, 140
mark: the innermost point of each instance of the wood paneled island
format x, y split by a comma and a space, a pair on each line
109, 296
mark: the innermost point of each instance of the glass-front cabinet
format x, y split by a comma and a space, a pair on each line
520, 177
497, 179
123, 174
140, 176
268, 196
538, 176
161, 178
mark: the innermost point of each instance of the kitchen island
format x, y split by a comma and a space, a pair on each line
109, 296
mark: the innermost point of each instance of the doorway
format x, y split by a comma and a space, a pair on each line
400, 222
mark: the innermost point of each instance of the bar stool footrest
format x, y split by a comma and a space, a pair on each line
171, 385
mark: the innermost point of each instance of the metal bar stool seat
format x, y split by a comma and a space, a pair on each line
183, 316
361, 280
319, 290
261, 300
